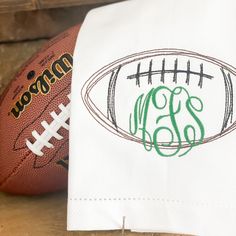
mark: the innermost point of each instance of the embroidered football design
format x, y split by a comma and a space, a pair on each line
168, 100
34, 118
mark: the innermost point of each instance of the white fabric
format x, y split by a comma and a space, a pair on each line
112, 176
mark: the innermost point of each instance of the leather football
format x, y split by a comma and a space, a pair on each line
34, 120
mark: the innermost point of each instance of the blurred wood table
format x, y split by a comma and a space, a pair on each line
42, 215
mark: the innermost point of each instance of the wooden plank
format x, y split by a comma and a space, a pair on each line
30, 25
26, 5
16, 5
46, 23
66, 3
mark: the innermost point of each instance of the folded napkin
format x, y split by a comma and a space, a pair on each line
152, 139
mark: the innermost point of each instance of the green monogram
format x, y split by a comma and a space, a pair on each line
169, 104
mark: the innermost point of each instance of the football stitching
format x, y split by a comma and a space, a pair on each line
174, 71
50, 130
17, 137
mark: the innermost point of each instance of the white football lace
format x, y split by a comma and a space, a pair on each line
50, 130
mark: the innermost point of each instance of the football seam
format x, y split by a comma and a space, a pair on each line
15, 169
4, 182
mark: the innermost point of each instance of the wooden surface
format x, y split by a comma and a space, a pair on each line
41, 215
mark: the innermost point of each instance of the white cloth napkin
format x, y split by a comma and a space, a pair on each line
152, 137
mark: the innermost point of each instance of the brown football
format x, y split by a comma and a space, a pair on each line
34, 120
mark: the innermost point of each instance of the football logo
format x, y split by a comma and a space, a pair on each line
167, 100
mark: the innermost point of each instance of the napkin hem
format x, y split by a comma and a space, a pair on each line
150, 216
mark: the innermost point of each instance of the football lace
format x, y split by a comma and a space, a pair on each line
50, 130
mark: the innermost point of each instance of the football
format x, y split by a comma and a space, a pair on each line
168, 100
34, 120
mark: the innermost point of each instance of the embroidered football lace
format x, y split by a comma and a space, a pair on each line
50, 130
